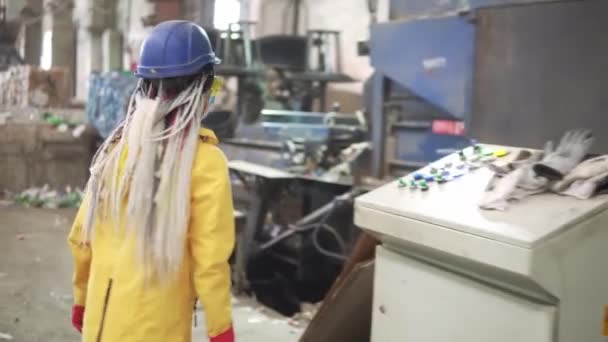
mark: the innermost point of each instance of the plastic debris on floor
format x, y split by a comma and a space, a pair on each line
46, 198
306, 314
64, 298
6, 198
256, 323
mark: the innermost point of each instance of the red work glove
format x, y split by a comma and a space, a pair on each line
77, 317
227, 336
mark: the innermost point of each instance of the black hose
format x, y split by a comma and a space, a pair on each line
292, 230
339, 240
322, 224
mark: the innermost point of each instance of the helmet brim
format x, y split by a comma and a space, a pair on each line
175, 71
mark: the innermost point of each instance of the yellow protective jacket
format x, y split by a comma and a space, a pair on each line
121, 307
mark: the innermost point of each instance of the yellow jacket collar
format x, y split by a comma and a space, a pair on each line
208, 136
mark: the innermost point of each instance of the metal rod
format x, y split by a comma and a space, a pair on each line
296, 16
378, 125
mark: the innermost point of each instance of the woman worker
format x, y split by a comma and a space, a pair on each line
156, 227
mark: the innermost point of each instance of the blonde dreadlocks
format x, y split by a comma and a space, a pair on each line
145, 167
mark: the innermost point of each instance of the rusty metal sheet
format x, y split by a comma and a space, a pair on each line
400, 9
345, 314
540, 70
349, 317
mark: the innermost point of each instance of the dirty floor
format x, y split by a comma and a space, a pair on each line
35, 290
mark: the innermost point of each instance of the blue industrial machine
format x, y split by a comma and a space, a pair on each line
427, 82
422, 92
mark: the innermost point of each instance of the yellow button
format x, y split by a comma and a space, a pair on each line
501, 153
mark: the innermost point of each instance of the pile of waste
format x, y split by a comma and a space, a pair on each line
343, 171
63, 125
62, 119
26, 86
108, 99
46, 198
314, 159
15, 84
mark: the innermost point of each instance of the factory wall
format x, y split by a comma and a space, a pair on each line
113, 43
13, 8
199, 11
107, 35
351, 18
132, 28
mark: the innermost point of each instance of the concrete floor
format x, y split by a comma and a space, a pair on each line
35, 289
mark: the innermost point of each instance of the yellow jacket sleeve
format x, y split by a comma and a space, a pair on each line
211, 236
82, 257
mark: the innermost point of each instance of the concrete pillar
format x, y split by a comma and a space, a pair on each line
111, 41
89, 52
63, 39
58, 38
33, 33
93, 18
133, 30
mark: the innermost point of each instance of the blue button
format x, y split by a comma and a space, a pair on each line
418, 176
429, 178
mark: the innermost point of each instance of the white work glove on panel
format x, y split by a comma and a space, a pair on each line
571, 150
513, 181
585, 180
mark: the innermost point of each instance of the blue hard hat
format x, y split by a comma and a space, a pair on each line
175, 48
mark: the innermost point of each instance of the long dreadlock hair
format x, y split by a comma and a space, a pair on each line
140, 176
